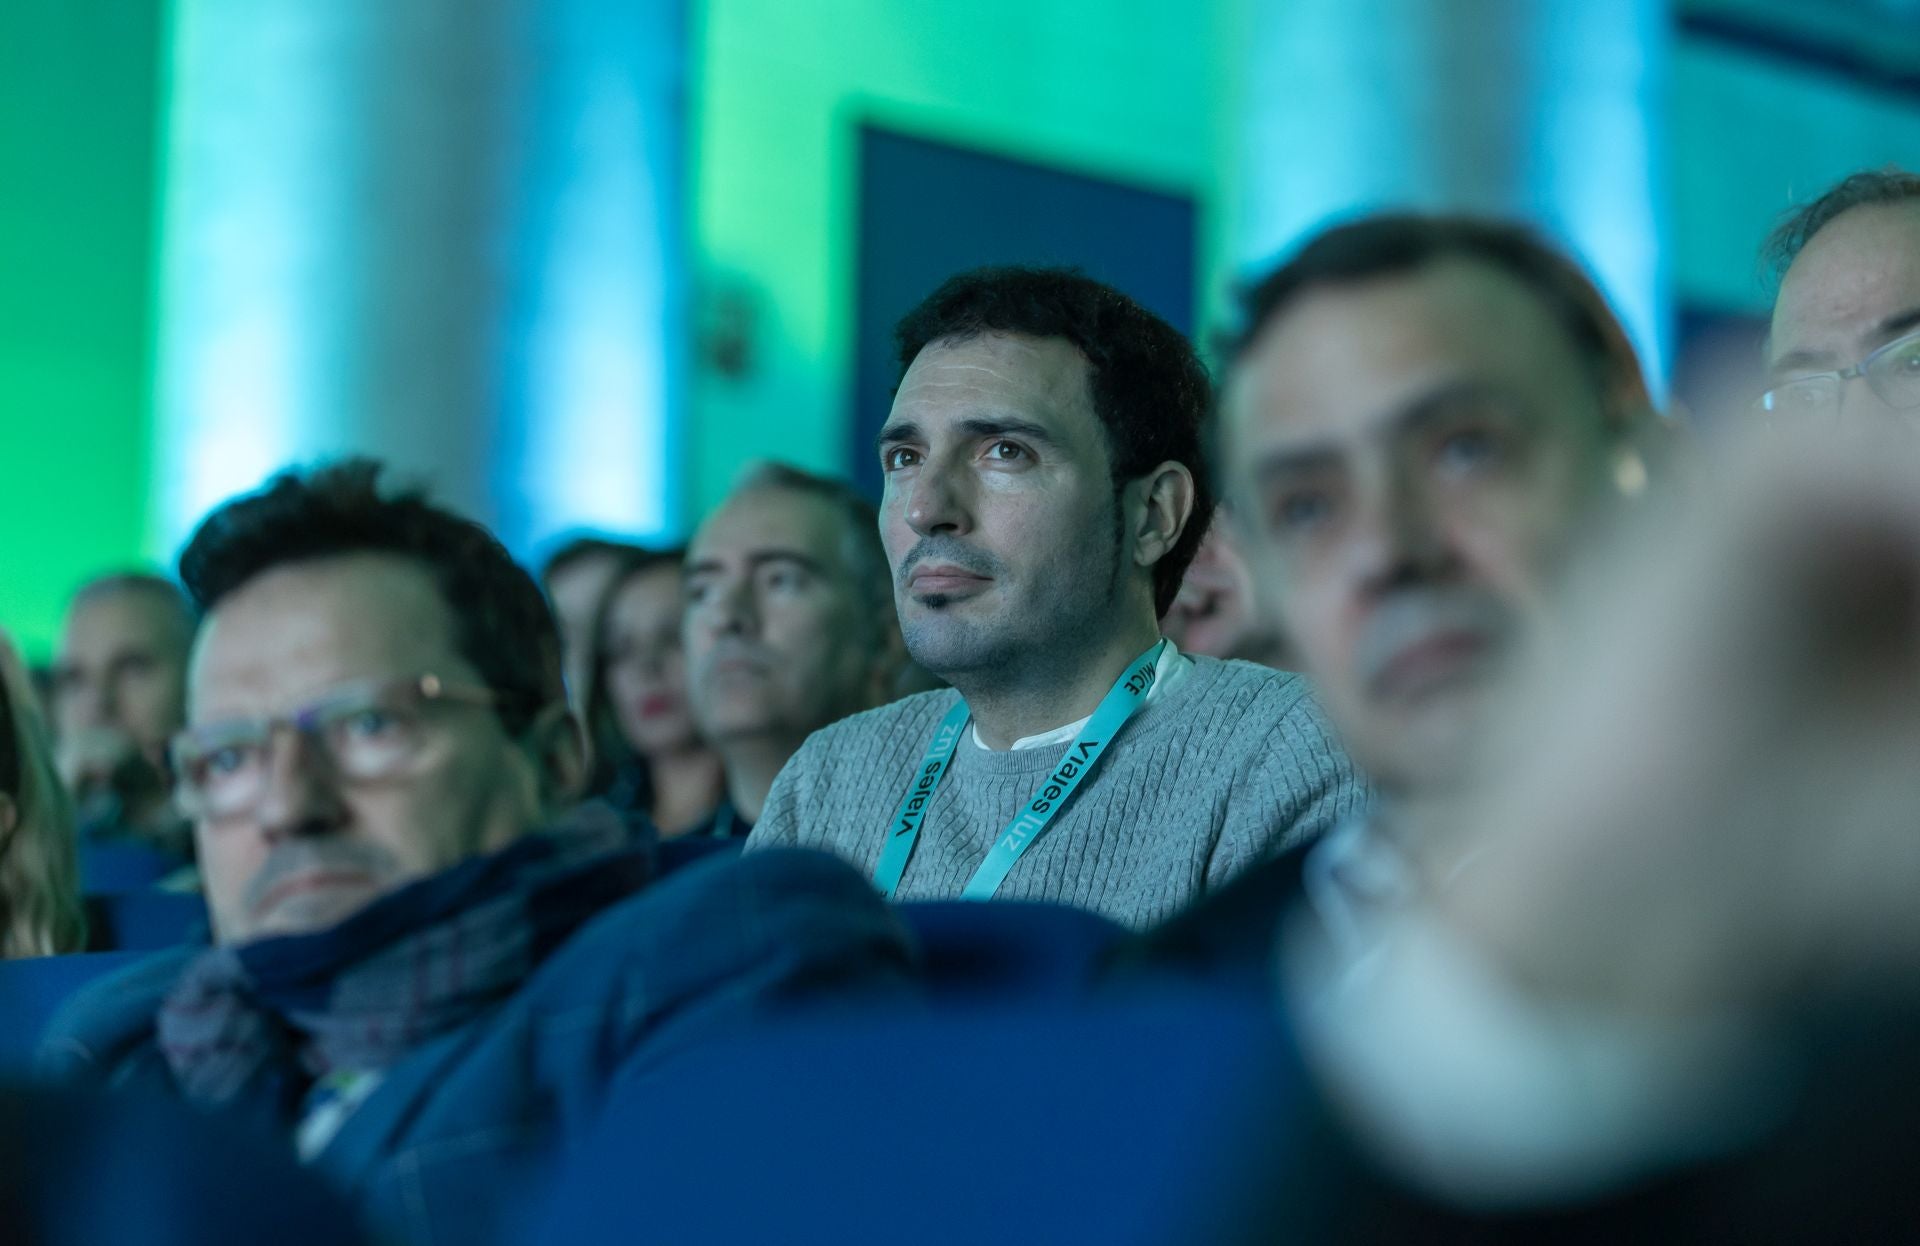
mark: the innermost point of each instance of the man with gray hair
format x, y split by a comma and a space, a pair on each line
789, 625
1845, 336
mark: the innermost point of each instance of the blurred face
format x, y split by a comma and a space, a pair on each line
1000, 516
576, 591
645, 665
1854, 289
122, 668
315, 846
781, 640
1218, 612
1412, 455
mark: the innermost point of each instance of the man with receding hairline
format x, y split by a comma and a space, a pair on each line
1844, 342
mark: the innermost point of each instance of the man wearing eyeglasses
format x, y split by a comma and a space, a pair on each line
427, 967
1845, 338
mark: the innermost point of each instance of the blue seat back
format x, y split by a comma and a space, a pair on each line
144, 920
108, 866
32, 990
1007, 948
675, 853
1123, 1125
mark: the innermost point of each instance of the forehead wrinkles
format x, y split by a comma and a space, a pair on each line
1045, 375
300, 629
1863, 267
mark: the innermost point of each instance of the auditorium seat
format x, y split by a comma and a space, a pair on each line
32, 990
1123, 1124
1007, 947
109, 866
675, 853
144, 920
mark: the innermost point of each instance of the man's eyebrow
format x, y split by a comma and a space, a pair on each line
1006, 426
1425, 409
1795, 360
971, 426
806, 562
702, 567
1897, 323
895, 433
1827, 361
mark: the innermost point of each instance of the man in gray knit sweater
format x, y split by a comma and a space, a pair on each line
1045, 491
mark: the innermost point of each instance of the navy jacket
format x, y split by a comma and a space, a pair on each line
458, 1135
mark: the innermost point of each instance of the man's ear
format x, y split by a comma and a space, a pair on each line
1158, 507
558, 744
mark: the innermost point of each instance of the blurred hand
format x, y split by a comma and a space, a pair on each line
1711, 797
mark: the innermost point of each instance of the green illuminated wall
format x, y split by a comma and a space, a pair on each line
77, 125
1122, 88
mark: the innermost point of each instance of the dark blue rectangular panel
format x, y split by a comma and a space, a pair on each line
929, 210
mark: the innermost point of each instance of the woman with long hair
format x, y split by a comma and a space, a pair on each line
649, 756
40, 911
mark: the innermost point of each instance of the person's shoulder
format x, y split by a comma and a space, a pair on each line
1240, 689
110, 1016
904, 721
727, 910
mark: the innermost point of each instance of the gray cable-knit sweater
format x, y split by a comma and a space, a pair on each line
1232, 763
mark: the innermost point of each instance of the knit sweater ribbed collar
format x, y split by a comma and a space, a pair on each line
1156, 714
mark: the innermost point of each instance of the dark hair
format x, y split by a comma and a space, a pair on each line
612, 753
578, 549
500, 620
1796, 230
859, 521
1149, 387
1400, 243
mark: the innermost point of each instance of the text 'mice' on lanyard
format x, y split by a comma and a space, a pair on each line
1126, 696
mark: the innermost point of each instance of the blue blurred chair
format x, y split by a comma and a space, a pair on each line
675, 853
108, 866
1007, 948
32, 990
144, 920
1122, 1124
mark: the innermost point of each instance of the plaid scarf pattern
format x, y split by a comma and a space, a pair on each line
411, 965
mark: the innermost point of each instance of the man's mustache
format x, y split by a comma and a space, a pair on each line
947, 549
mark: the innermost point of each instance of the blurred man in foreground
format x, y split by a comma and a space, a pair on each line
1423, 417
119, 693
789, 626
379, 764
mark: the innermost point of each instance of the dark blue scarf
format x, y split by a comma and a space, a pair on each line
413, 964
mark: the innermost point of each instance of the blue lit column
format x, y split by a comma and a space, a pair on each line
1548, 110
447, 233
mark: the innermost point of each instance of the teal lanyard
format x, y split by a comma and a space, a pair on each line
1129, 692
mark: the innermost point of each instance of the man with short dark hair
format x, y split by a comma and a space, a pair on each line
119, 692
789, 625
1044, 493
426, 970
1845, 337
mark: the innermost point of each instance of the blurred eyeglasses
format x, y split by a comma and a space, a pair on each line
1891, 372
367, 731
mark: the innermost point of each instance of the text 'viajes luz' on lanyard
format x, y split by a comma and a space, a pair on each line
1128, 693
